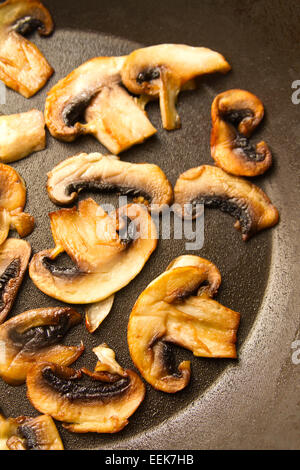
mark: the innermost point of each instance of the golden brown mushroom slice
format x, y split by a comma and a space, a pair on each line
238, 197
93, 93
12, 203
21, 134
107, 173
96, 313
22, 66
168, 311
108, 251
24, 433
235, 116
162, 71
35, 336
102, 406
14, 259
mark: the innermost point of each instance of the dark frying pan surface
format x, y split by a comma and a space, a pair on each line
228, 403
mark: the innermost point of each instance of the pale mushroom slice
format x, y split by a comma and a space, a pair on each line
22, 66
14, 259
168, 311
162, 71
103, 405
91, 100
24, 433
238, 197
21, 134
12, 203
108, 251
147, 182
36, 336
96, 313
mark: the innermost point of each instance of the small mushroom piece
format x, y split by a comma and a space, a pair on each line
21, 135
108, 252
96, 313
102, 406
14, 259
216, 189
35, 336
93, 93
22, 66
168, 311
108, 173
12, 203
235, 116
162, 71
24, 433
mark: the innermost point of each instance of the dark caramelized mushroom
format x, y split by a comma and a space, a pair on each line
235, 115
108, 251
22, 66
102, 406
162, 71
35, 336
93, 93
217, 190
25, 433
14, 259
169, 311
108, 173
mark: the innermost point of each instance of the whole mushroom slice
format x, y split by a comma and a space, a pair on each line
168, 311
12, 203
24, 433
22, 66
93, 93
14, 259
235, 115
107, 173
35, 336
103, 405
21, 134
108, 251
162, 71
238, 197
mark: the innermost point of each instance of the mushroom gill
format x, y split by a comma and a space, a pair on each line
177, 308
22, 66
103, 405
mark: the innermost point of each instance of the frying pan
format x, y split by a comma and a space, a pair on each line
252, 402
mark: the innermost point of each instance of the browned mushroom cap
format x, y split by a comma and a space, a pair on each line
14, 259
21, 134
235, 115
93, 92
22, 66
169, 312
24, 433
217, 190
163, 70
108, 251
102, 406
12, 202
35, 336
108, 173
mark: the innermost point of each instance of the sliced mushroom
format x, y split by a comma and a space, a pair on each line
35, 336
217, 190
21, 135
169, 312
12, 202
93, 93
25, 433
163, 70
108, 251
103, 406
14, 259
235, 116
96, 313
22, 66
108, 173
